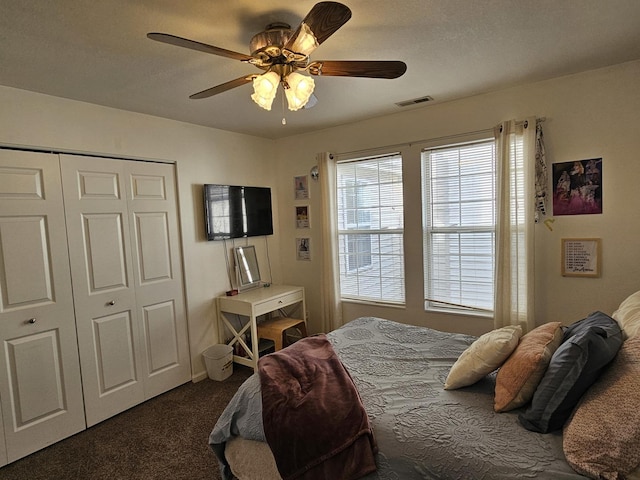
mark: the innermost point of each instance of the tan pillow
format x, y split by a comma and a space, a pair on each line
520, 375
628, 315
602, 439
483, 356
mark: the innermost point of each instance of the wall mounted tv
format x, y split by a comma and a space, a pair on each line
233, 211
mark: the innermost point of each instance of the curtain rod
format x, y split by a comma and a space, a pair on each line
526, 122
409, 144
427, 140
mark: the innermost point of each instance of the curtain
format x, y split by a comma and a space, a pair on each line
542, 178
330, 304
514, 289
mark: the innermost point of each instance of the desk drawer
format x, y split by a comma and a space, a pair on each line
278, 302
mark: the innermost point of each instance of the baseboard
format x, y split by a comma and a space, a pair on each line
198, 377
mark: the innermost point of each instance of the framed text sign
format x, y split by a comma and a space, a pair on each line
581, 257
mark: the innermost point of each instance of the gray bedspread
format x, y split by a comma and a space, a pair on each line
423, 431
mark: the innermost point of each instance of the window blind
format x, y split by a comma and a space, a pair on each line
371, 228
459, 217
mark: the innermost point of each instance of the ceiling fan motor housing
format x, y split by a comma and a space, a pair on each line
267, 45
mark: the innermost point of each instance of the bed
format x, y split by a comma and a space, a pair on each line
422, 431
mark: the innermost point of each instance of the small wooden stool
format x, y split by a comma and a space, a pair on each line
275, 329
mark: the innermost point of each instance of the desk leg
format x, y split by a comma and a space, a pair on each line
251, 360
255, 341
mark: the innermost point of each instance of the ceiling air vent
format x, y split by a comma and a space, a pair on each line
415, 101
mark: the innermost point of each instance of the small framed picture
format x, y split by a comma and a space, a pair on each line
303, 248
302, 216
301, 187
581, 257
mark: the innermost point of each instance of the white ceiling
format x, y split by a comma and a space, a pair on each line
98, 52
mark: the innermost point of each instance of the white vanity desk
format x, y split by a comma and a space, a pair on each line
252, 304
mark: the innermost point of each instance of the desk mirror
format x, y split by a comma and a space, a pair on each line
247, 271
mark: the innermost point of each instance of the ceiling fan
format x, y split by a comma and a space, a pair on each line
283, 53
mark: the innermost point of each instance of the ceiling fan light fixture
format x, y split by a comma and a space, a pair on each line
300, 88
305, 42
265, 88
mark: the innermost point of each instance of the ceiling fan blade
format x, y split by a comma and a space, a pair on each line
193, 45
223, 87
324, 19
358, 68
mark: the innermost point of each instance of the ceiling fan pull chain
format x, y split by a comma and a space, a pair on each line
284, 120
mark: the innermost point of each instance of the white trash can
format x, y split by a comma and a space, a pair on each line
219, 361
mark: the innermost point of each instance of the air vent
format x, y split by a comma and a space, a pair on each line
415, 101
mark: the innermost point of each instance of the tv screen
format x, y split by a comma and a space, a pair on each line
233, 211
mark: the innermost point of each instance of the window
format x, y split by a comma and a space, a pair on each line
370, 229
459, 210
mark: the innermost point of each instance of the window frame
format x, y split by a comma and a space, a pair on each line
447, 304
389, 265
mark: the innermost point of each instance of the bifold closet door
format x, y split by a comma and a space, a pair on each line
40, 385
127, 281
158, 277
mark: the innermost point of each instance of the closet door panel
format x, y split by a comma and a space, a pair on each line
25, 283
153, 217
163, 350
38, 390
113, 337
103, 286
154, 258
104, 249
40, 385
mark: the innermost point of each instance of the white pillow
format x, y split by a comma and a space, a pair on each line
483, 356
628, 315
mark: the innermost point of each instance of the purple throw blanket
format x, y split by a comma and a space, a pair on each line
314, 420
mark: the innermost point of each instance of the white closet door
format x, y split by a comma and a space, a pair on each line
103, 285
127, 279
157, 268
40, 384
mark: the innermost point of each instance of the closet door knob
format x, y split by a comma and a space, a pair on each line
111, 303
31, 321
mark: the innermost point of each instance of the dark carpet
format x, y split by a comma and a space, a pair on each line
163, 438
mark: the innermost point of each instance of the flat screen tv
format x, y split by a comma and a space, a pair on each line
233, 211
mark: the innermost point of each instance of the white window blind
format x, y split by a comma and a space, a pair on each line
370, 229
459, 205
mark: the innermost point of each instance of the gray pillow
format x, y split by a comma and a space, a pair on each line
588, 346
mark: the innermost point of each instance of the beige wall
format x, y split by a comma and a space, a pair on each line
593, 114
202, 155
